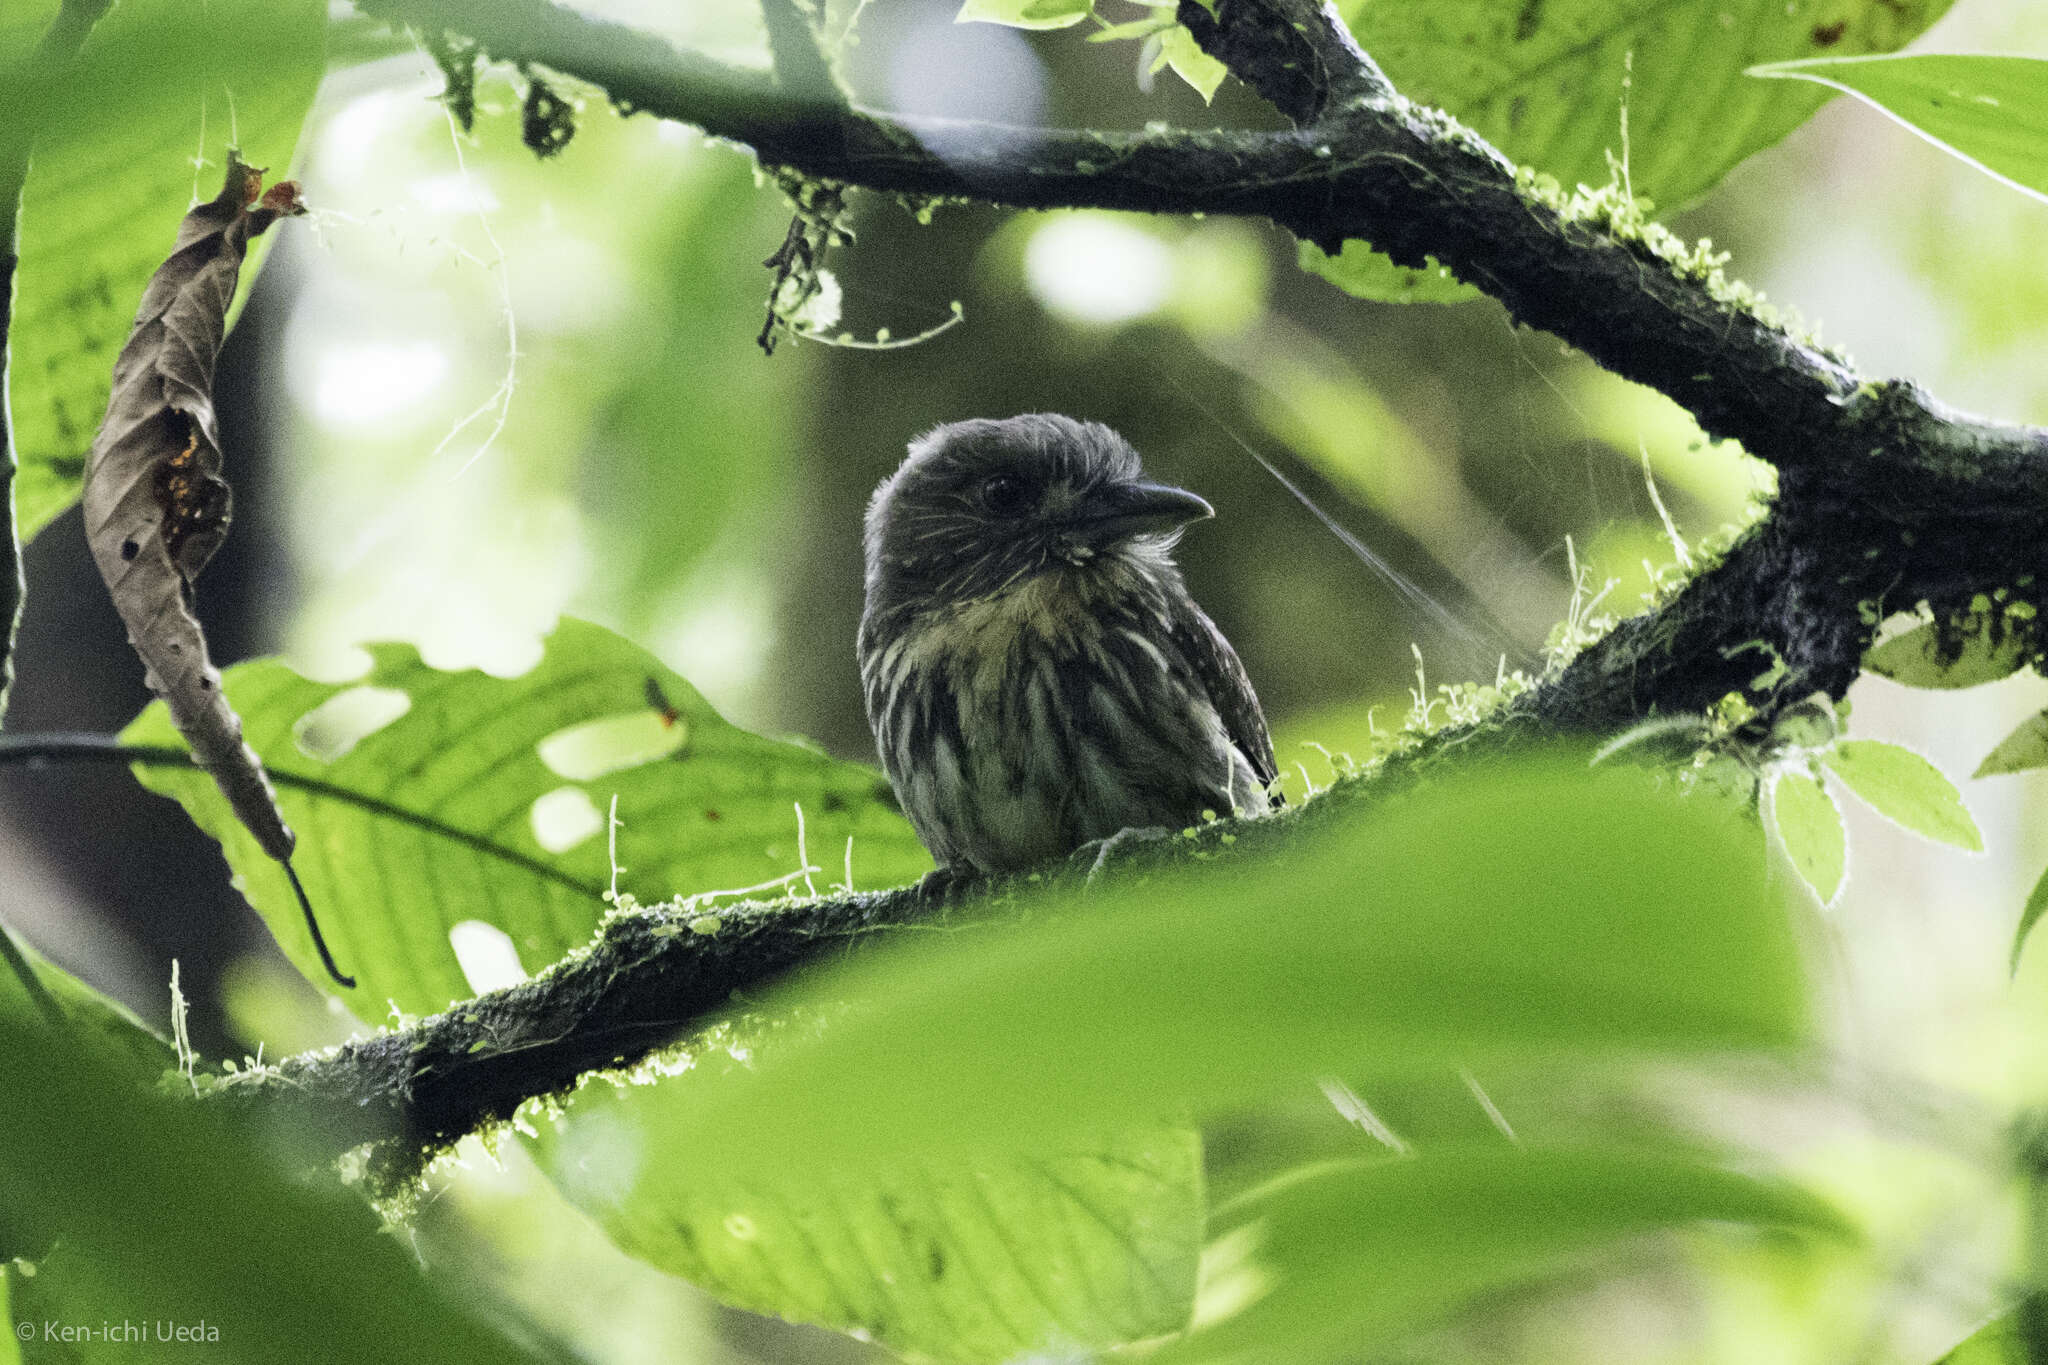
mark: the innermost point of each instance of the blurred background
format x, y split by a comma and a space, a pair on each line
475, 391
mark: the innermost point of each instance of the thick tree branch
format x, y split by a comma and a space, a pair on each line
642, 985
1295, 53
1409, 179
1886, 498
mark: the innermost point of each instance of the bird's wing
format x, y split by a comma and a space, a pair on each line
1223, 677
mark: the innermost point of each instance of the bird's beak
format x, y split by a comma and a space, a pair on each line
1139, 509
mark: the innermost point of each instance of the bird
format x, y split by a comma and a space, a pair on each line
1036, 673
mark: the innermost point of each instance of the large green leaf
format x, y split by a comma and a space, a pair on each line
485, 801
1989, 111
160, 82
1528, 911
1085, 1245
1348, 1257
1543, 79
165, 1214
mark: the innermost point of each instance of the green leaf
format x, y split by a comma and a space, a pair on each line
1811, 828
1034, 14
1543, 79
2002, 1341
1905, 789
1087, 1246
1369, 274
1190, 63
1915, 657
1987, 111
1531, 911
106, 1026
159, 82
2037, 903
164, 1212
485, 801
1354, 1256
2026, 747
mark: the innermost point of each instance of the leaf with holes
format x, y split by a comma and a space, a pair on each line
1811, 828
426, 799
1988, 111
1905, 789
1086, 1245
158, 83
1543, 80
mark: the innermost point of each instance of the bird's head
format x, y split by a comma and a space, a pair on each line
981, 505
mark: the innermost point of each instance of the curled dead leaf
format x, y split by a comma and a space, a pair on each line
156, 506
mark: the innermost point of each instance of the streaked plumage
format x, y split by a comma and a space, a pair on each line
1036, 674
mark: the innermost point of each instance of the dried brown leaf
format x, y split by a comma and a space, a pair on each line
156, 506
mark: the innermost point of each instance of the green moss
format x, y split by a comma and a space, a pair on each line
1612, 210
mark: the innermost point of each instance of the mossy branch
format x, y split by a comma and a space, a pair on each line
648, 979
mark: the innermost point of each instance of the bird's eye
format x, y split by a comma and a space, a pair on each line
1005, 495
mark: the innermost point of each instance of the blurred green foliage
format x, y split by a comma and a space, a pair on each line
508, 389
141, 1211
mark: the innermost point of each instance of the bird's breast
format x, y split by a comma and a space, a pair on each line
1020, 725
